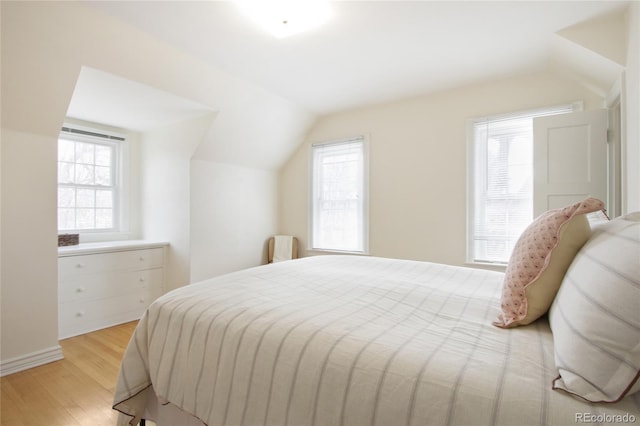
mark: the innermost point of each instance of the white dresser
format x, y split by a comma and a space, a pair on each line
104, 284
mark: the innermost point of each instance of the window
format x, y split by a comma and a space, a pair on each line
501, 183
88, 164
339, 193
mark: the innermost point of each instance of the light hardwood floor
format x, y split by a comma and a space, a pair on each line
77, 390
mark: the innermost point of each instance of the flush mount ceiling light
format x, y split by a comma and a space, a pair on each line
283, 18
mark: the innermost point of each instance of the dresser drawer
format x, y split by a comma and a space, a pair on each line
71, 266
78, 317
108, 284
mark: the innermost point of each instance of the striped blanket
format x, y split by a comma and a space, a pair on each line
347, 340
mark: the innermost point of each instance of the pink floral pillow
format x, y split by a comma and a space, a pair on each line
540, 259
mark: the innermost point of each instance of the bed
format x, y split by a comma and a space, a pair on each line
350, 340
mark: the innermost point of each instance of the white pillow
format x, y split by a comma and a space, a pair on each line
595, 317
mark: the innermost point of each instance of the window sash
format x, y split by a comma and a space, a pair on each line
88, 190
339, 196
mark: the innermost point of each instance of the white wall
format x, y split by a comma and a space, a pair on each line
233, 213
418, 162
217, 217
631, 105
29, 245
165, 187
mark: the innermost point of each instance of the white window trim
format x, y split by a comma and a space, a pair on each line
365, 201
471, 122
121, 141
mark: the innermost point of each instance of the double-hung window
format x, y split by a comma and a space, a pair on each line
339, 195
88, 184
501, 183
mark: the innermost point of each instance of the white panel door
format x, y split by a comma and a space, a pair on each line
570, 159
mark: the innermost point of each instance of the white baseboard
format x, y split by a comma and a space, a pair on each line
31, 360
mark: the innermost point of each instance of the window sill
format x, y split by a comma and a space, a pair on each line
331, 251
499, 267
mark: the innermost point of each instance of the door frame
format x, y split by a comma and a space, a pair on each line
616, 147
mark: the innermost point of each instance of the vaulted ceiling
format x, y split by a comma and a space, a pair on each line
143, 64
376, 51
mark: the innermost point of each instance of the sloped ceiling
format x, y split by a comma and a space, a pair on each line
372, 51
266, 92
592, 52
98, 97
64, 59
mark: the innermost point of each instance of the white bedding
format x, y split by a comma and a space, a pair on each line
346, 340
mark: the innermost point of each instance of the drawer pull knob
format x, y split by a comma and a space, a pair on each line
141, 300
141, 279
79, 265
80, 314
141, 259
80, 289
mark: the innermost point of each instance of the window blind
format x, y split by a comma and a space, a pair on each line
502, 200
338, 195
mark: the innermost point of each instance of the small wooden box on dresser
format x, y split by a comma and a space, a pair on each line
104, 284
